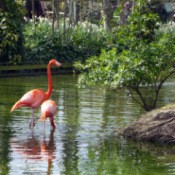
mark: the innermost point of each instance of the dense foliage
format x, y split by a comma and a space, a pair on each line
11, 21
141, 62
68, 43
79, 43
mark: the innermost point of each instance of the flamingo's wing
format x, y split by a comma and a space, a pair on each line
32, 99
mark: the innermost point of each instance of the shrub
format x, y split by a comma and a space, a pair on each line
78, 43
142, 61
11, 23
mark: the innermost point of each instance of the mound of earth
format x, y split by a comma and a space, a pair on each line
155, 126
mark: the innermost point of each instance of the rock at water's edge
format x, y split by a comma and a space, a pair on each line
155, 126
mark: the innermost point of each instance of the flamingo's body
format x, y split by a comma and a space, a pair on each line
32, 99
48, 110
36, 97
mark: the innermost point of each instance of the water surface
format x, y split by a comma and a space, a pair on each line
84, 142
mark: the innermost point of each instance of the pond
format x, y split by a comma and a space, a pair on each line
84, 141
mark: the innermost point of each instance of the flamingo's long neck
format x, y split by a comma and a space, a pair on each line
49, 91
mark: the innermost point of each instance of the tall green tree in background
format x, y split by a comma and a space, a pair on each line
141, 62
11, 38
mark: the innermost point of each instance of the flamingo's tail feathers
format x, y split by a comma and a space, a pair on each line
18, 104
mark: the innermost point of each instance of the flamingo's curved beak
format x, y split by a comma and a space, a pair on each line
58, 64
43, 117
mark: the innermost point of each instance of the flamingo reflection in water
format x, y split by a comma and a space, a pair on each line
36, 150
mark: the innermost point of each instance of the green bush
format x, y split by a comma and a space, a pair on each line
78, 43
39, 45
11, 23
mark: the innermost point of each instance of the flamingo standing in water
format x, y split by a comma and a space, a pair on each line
36, 97
48, 110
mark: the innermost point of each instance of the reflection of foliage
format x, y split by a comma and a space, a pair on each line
121, 157
11, 48
5, 134
144, 58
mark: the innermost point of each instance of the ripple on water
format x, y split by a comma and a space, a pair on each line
83, 141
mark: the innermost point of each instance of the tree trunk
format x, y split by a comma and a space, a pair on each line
57, 2
107, 13
64, 22
3, 5
53, 17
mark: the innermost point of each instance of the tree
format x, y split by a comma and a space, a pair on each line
141, 62
3, 5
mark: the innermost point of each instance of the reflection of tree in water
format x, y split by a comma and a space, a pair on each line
32, 148
115, 155
5, 134
70, 136
118, 156
70, 150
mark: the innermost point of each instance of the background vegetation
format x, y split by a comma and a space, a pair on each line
126, 44
79, 44
75, 30
11, 33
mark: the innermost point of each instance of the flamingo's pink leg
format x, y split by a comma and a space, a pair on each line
32, 120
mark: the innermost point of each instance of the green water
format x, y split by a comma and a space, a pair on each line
84, 142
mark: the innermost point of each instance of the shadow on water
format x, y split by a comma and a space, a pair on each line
84, 141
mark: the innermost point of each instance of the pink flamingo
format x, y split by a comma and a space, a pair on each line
48, 109
36, 97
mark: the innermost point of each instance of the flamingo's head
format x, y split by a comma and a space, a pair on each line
48, 110
43, 117
54, 62
46, 115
